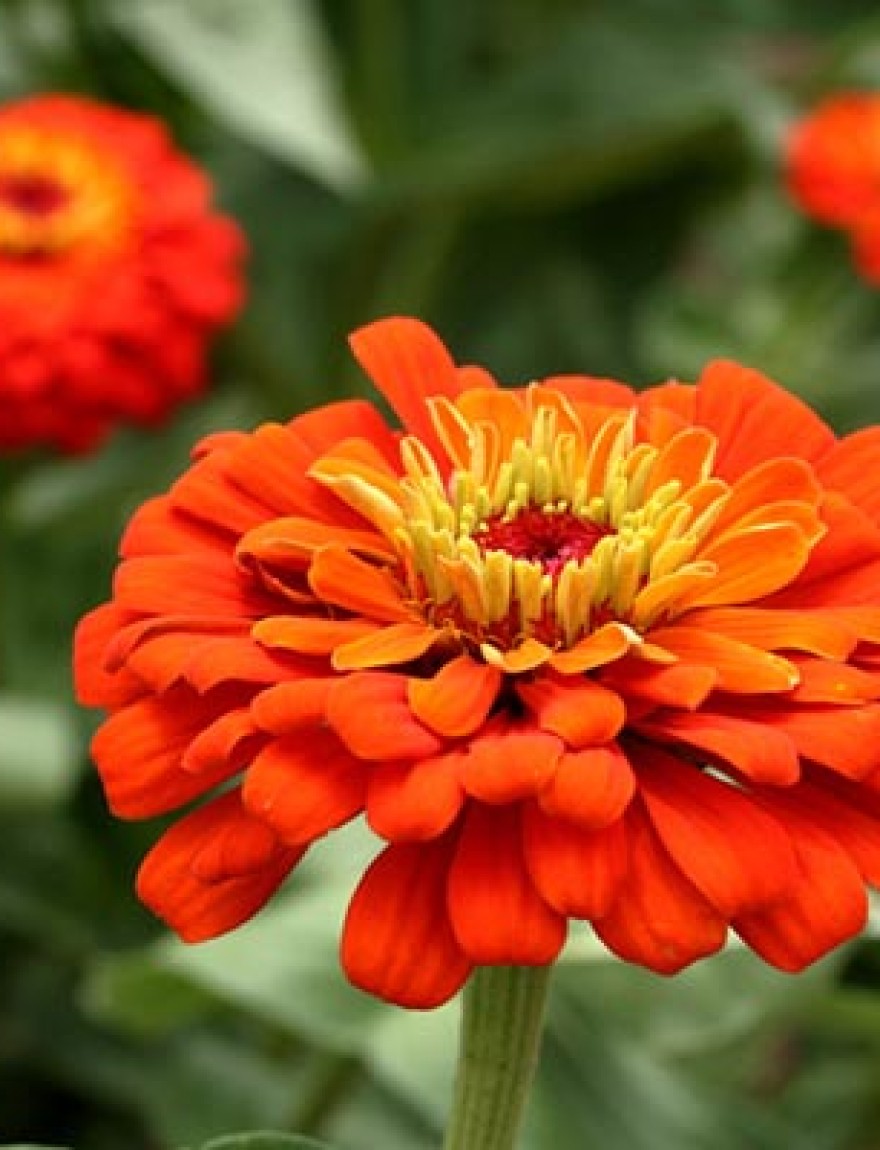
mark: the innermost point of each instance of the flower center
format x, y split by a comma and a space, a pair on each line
55, 194
32, 195
550, 538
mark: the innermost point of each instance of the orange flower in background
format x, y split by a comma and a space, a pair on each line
833, 171
833, 161
114, 272
575, 653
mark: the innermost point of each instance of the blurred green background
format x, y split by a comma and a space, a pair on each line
556, 185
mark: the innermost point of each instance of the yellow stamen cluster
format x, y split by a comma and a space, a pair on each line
90, 198
651, 522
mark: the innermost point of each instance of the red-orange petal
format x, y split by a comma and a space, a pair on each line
341, 579
456, 701
763, 754
201, 583
506, 763
413, 802
198, 908
684, 685
308, 634
397, 942
777, 629
733, 852
230, 741
370, 712
582, 712
741, 668
590, 788
846, 739
139, 750
576, 871
392, 645
851, 467
827, 906
304, 785
658, 918
408, 363
755, 419
95, 686
497, 914
291, 706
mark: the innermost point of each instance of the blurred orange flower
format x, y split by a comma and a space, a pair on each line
833, 171
114, 271
575, 653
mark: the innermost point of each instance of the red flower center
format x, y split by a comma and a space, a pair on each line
549, 538
33, 195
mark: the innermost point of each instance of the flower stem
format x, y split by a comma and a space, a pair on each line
500, 1038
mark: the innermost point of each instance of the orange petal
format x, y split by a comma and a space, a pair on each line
415, 801
576, 871
308, 634
526, 657
846, 811
272, 465
95, 687
658, 919
497, 914
507, 763
370, 712
826, 907
398, 643
397, 942
845, 739
734, 853
198, 908
762, 753
196, 584
774, 629
138, 753
341, 579
682, 685
291, 542
229, 742
304, 785
583, 713
740, 668
457, 700
610, 642
822, 681
686, 457
852, 466
408, 363
289, 707
755, 419
160, 528
751, 563
591, 788
844, 567
771, 481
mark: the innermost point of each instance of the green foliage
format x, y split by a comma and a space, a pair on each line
557, 185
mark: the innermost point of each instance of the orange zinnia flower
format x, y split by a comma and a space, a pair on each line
575, 653
113, 272
833, 161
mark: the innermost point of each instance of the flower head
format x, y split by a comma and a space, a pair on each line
833, 171
575, 653
114, 271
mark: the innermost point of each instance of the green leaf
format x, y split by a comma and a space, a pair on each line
264, 70
38, 753
265, 1141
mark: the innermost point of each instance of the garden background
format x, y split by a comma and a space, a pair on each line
557, 186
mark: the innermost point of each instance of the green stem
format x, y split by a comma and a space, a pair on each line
500, 1038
